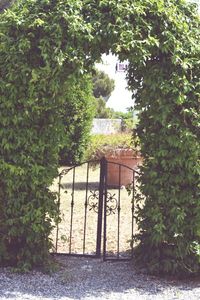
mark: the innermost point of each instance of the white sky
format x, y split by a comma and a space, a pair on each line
120, 98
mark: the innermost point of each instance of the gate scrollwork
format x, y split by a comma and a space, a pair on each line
93, 200
111, 202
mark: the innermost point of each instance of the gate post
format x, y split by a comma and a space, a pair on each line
100, 206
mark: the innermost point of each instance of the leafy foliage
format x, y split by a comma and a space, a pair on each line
5, 4
103, 85
79, 109
103, 112
128, 120
41, 45
165, 81
161, 41
101, 144
46, 43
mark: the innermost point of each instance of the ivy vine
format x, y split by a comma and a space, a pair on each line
46, 43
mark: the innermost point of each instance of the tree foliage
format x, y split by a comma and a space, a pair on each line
46, 43
103, 112
129, 120
103, 85
161, 41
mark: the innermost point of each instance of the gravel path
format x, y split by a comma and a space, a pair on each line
80, 278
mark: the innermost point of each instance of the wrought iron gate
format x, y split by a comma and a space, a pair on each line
96, 209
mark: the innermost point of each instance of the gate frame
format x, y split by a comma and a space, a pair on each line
102, 212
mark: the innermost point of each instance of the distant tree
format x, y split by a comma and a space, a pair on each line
103, 85
103, 112
129, 120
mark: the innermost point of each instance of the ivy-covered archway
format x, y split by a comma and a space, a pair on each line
46, 42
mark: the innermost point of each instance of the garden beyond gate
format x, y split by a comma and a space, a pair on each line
97, 216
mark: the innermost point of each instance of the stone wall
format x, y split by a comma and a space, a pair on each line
106, 126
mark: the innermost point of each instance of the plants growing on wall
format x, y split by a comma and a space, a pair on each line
46, 43
83, 101
77, 116
161, 41
165, 81
43, 43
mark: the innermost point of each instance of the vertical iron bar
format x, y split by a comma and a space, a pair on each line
133, 209
105, 210
72, 209
86, 204
118, 210
100, 206
58, 207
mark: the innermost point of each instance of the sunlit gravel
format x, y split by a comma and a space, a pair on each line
80, 278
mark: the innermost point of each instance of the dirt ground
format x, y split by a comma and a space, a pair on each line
77, 232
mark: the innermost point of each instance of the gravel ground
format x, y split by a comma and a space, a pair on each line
80, 278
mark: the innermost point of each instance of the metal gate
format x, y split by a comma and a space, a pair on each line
97, 215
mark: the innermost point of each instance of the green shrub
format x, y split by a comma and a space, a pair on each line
41, 50
129, 121
100, 144
42, 44
77, 116
167, 98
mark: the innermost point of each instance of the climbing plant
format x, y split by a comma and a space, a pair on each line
161, 41
43, 43
78, 112
46, 43
164, 78
168, 98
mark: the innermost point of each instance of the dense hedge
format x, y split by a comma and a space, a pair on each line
78, 112
161, 40
43, 44
165, 80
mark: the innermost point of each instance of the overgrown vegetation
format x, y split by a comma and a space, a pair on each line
41, 51
165, 80
129, 120
85, 98
46, 43
77, 116
100, 144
